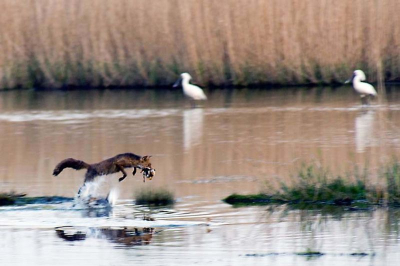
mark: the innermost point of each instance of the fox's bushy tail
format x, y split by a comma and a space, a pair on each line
70, 163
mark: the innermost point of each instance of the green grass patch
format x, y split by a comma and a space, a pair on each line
254, 199
154, 197
9, 198
392, 178
314, 185
12, 198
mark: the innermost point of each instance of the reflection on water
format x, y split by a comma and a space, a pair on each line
234, 143
76, 116
125, 236
364, 129
192, 127
129, 236
232, 236
70, 234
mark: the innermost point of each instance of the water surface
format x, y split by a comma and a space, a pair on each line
234, 143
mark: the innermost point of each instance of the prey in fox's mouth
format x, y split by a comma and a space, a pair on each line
148, 173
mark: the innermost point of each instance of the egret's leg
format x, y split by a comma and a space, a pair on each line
364, 100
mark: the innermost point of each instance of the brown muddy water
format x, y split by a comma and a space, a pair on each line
235, 142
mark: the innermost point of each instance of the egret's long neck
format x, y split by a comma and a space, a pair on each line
356, 80
185, 83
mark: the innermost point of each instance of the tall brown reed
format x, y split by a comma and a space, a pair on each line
55, 43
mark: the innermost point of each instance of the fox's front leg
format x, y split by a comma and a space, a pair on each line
134, 171
123, 172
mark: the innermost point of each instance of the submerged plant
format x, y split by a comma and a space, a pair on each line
310, 253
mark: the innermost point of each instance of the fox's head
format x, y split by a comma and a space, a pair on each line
145, 161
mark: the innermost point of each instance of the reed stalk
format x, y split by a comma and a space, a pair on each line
104, 43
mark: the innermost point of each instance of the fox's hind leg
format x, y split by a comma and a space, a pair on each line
90, 175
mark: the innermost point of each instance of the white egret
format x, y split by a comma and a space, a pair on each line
191, 91
365, 90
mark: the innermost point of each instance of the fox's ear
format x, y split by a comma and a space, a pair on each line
146, 157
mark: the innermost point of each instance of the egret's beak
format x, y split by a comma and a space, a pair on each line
177, 83
350, 79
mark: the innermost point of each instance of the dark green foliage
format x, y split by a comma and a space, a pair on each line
9, 198
43, 200
361, 254
236, 199
313, 185
392, 176
159, 197
310, 253
21, 199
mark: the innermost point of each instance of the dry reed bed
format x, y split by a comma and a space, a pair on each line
56, 43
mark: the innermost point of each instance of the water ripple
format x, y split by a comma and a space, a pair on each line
77, 115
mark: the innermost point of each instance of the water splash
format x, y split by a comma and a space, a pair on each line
88, 195
113, 196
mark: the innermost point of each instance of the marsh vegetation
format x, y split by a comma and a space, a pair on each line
13, 198
100, 43
314, 185
154, 196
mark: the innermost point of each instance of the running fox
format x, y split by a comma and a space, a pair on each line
109, 166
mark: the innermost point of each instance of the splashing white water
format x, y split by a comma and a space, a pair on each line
90, 189
88, 195
113, 196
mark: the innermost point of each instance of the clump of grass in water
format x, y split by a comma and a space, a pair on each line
314, 185
392, 178
9, 198
157, 197
254, 199
13, 198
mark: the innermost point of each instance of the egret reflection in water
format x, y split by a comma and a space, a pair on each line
192, 127
364, 125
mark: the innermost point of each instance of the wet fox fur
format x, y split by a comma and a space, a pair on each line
109, 166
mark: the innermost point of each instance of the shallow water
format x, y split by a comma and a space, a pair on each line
235, 142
